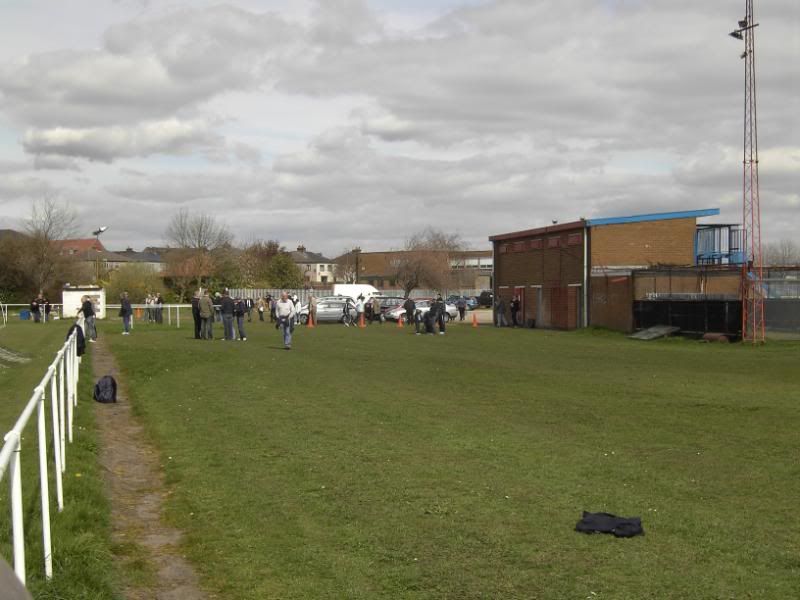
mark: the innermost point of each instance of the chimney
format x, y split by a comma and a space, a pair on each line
301, 248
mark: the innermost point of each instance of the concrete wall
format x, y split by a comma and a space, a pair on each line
669, 242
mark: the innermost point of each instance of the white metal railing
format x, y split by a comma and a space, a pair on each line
62, 380
57, 309
169, 308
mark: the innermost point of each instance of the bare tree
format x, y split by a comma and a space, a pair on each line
345, 269
426, 260
199, 237
781, 253
41, 258
197, 231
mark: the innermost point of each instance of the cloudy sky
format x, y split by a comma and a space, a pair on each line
343, 122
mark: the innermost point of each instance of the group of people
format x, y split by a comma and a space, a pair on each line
40, 308
515, 306
426, 322
154, 308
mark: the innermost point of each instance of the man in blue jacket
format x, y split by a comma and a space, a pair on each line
226, 307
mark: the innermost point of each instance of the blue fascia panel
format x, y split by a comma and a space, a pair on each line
686, 214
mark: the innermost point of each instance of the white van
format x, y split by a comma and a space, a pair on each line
354, 290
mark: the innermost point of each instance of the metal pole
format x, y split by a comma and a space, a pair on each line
72, 385
45, 489
56, 443
62, 401
169, 314
15, 492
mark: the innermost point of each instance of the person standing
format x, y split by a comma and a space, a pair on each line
515, 306
461, 305
439, 311
271, 307
217, 307
500, 313
376, 310
226, 308
284, 313
159, 309
46, 309
248, 304
239, 311
261, 306
359, 308
206, 309
411, 309
36, 308
312, 309
126, 312
87, 309
196, 314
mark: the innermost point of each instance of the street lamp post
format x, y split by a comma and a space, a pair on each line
96, 233
357, 251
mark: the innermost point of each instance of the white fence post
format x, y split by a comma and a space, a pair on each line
15, 493
56, 440
44, 486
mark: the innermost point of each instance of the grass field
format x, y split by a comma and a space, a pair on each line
379, 464
82, 558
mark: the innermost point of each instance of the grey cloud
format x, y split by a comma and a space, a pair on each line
107, 143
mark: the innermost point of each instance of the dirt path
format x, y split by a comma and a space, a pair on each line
136, 489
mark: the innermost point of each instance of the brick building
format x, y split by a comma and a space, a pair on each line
573, 274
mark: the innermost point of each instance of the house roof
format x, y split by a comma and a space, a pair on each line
309, 257
81, 245
11, 234
144, 256
686, 214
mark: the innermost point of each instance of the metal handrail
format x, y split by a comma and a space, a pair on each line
62, 379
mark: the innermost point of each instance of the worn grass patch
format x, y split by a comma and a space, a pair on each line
378, 464
82, 563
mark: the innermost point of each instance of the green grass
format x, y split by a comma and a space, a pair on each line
378, 464
82, 562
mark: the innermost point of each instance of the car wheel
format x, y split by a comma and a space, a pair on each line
448, 318
304, 319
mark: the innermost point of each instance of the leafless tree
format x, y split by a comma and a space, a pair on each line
345, 269
783, 252
426, 260
197, 231
50, 223
198, 237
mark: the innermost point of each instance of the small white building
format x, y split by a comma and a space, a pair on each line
71, 300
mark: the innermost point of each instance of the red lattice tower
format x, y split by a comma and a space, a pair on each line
752, 286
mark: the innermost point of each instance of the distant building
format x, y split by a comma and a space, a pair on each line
148, 257
79, 246
315, 267
579, 273
470, 269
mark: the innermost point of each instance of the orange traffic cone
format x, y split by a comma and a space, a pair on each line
474, 320
310, 323
400, 320
361, 321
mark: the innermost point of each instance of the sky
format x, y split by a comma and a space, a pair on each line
339, 123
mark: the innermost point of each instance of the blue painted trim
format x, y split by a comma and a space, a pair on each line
686, 214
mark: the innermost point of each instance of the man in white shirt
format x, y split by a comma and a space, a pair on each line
284, 312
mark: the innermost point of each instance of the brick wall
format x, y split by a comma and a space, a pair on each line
669, 242
612, 302
552, 260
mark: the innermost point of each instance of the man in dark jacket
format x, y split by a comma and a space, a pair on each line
196, 314
411, 308
226, 308
87, 309
126, 312
239, 310
515, 306
439, 311
36, 308
159, 309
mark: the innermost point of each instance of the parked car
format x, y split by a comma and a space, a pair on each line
472, 302
330, 311
423, 306
486, 298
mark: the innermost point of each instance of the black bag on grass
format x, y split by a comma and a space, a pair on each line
105, 390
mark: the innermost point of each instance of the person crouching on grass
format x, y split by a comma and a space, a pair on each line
284, 313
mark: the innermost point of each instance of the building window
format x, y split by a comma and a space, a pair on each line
535, 244
553, 242
574, 239
324, 279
